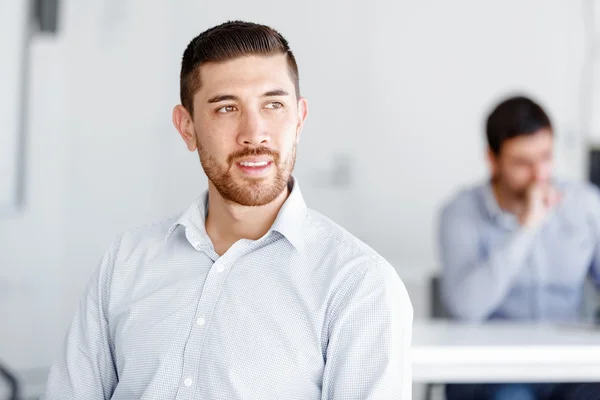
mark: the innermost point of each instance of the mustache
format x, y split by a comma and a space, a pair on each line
255, 151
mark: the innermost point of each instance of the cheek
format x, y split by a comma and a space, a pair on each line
284, 121
546, 171
518, 175
286, 145
215, 141
284, 132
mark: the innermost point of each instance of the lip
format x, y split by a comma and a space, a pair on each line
254, 170
255, 159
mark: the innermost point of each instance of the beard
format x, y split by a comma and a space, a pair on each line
516, 193
248, 192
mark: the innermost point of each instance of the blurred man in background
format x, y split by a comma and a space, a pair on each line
520, 246
248, 294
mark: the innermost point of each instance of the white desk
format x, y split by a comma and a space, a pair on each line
449, 352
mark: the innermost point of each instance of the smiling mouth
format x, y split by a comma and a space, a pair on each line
254, 168
252, 164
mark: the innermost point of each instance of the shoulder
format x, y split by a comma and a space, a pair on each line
348, 258
465, 204
144, 238
324, 235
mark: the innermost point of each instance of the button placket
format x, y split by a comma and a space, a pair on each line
206, 304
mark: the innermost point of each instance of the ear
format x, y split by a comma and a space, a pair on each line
302, 114
185, 126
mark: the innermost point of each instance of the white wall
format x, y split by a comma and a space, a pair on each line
590, 117
399, 88
436, 68
13, 39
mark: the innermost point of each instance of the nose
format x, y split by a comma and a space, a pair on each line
253, 129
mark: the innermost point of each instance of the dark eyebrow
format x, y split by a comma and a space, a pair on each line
276, 92
222, 97
230, 97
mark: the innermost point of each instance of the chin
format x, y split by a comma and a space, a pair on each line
251, 198
252, 192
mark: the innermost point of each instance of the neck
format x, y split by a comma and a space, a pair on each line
228, 222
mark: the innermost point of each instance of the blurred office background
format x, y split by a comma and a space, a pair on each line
397, 89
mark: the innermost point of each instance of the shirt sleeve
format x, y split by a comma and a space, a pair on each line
85, 368
473, 282
368, 352
593, 212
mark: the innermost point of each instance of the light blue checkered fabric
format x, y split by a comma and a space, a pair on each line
493, 268
306, 312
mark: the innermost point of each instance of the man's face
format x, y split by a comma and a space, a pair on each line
246, 125
524, 160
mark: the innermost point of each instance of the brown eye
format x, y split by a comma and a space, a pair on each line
274, 104
226, 109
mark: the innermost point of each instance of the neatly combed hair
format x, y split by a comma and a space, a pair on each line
225, 42
515, 116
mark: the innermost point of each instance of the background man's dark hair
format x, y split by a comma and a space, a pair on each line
225, 42
515, 116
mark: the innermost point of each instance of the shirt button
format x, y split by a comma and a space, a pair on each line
220, 268
188, 382
200, 321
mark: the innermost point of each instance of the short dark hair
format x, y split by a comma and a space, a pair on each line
515, 116
225, 42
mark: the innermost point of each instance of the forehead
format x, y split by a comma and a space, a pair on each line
529, 145
245, 75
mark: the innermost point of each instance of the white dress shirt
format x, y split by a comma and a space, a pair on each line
305, 312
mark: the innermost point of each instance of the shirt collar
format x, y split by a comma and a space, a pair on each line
489, 200
290, 220
194, 222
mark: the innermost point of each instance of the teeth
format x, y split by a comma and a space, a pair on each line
254, 164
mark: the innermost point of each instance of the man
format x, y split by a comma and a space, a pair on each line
248, 294
520, 246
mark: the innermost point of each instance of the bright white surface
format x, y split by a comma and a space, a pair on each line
445, 351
